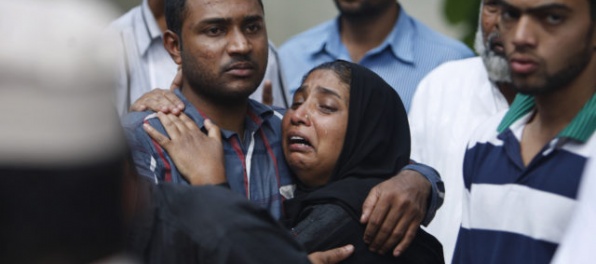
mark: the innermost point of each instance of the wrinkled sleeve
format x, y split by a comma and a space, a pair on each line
146, 160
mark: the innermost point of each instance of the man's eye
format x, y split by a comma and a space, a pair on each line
296, 104
253, 28
213, 31
553, 19
506, 15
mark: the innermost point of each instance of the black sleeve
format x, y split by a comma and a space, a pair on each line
321, 226
211, 224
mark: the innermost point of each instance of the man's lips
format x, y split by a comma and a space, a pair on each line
522, 65
241, 69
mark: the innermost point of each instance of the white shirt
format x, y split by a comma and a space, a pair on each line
147, 65
449, 103
579, 243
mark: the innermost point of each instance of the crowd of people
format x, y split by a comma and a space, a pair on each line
370, 138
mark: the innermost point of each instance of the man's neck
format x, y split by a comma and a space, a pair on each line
157, 8
360, 35
226, 116
507, 91
555, 111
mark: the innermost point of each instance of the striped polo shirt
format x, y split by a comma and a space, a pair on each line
514, 213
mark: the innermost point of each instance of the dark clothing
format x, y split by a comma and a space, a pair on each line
376, 146
329, 226
209, 224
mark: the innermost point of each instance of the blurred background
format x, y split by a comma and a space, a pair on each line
285, 18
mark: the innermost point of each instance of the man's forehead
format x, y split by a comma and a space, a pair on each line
529, 4
226, 9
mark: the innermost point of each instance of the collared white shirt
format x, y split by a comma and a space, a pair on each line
449, 103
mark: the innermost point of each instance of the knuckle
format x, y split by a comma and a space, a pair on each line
398, 234
384, 231
374, 223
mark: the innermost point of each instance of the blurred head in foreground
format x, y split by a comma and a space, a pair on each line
61, 149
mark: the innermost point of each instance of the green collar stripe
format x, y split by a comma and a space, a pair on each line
581, 127
583, 124
522, 104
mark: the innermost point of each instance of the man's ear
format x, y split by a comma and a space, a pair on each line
172, 43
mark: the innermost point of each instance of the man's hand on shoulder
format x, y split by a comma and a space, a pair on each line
158, 100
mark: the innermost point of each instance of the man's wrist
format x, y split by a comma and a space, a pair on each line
437, 192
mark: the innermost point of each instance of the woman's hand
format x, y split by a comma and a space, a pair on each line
197, 156
161, 100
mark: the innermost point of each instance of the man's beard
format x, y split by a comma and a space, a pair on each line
209, 86
365, 12
557, 80
496, 65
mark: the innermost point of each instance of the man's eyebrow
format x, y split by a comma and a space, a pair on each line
252, 18
537, 9
328, 91
216, 20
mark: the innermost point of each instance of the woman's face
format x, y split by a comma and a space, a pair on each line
315, 126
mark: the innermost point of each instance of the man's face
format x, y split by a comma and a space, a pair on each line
548, 42
362, 8
488, 42
224, 48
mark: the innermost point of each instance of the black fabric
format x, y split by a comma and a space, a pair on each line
376, 147
209, 224
69, 214
328, 225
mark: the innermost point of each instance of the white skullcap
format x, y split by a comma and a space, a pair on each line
56, 82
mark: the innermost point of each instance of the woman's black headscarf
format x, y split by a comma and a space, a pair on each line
376, 146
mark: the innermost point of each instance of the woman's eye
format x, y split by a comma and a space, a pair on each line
328, 108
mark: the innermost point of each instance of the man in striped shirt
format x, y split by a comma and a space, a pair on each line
522, 168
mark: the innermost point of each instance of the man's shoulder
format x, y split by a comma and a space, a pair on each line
457, 76
300, 41
458, 72
487, 132
276, 113
127, 20
133, 121
474, 64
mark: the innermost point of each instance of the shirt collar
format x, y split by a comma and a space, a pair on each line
149, 31
581, 127
256, 116
400, 39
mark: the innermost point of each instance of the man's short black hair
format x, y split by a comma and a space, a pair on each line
593, 9
175, 11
